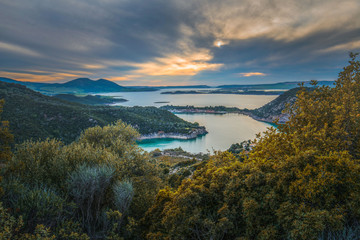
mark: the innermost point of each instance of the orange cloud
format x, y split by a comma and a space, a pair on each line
93, 66
123, 78
42, 76
177, 65
250, 74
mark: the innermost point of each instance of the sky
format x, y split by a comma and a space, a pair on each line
177, 42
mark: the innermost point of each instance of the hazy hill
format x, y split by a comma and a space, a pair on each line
34, 115
89, 99
80, 85
88, 85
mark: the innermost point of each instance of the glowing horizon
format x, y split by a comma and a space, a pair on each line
213, 43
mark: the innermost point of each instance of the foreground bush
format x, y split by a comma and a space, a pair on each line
102, 183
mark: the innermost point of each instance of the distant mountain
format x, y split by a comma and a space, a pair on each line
80, 85
281, 85
90, 86
37, 116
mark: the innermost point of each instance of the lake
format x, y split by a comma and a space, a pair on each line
224, 130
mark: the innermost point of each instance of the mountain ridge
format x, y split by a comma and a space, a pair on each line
78, 86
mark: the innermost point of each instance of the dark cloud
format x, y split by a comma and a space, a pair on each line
162, 41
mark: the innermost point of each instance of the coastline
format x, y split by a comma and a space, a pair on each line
183, 136
224, 110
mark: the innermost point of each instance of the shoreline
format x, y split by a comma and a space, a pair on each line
181, 136
194, 110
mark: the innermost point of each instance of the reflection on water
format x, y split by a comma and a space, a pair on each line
224, 130
199, 100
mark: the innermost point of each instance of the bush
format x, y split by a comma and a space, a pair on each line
88, 187
123, 194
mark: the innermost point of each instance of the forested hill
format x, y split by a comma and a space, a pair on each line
34, 115
90, 99
80, 85
274, 109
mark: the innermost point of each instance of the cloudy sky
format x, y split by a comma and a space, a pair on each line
177, 42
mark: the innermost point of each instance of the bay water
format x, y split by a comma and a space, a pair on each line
224, 130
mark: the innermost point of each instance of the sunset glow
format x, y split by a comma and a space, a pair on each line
219, 42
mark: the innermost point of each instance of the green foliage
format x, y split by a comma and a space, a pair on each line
87, 187
61, 186
89, 99
238, 148
10, 228
9, 225
6, 138
123, 194
347, 233
39, 163
36, 116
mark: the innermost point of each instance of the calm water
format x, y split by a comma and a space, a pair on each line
224, 130
198, 100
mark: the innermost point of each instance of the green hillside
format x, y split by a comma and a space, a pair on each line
34, 115
89, 99
274, 109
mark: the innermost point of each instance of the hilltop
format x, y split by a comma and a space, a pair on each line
78, 86
34, 115
274, 109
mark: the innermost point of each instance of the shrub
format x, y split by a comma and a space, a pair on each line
88, 186
123, 194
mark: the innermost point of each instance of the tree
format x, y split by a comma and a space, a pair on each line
6, 138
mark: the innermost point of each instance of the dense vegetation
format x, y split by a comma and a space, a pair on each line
299, 181
188, 108
34, 115
97, 186
89, 99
